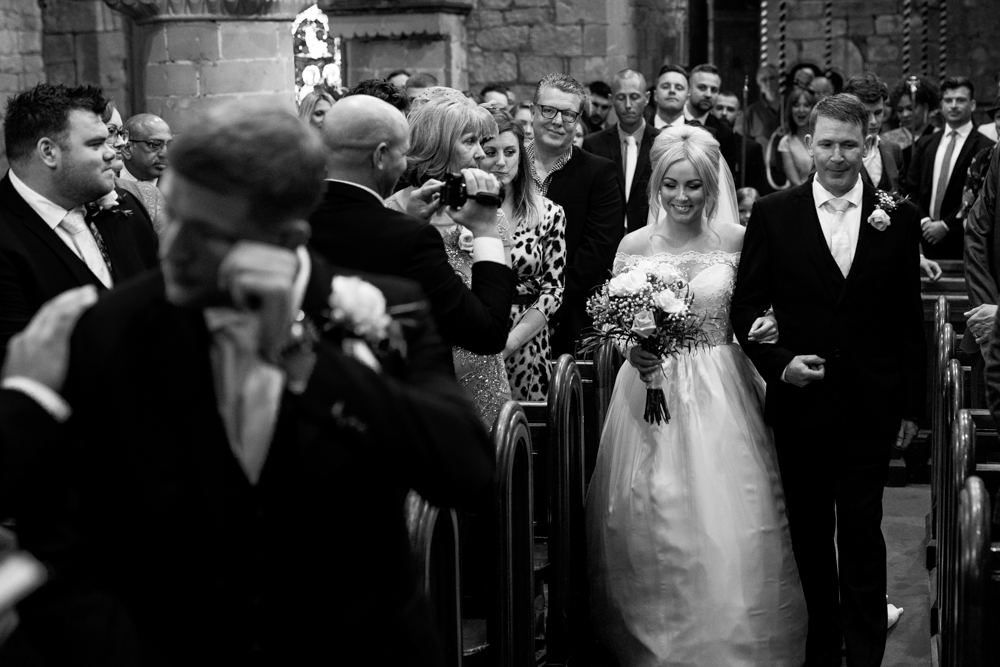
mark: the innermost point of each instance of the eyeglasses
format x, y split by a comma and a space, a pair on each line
114, 133
155, 146
549, 113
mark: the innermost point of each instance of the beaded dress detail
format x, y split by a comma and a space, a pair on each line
689, 556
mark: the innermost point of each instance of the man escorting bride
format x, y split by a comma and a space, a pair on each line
690, 552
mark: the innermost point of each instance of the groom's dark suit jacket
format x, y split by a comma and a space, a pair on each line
868, 327
174, 558
351, 228
36, 265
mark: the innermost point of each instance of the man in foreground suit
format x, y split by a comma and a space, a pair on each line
837, 403
627, 144
587, 188
49, 240
366, 142
264, 519
937, 172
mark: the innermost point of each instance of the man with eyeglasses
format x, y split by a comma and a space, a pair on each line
586, 186
58, 227
145, 154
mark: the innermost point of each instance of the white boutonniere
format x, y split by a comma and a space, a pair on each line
109, 202
879, 219
887, 203
358, 317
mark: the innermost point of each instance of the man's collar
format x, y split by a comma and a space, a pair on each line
821, 195
963, 130
688, 116
561, 160
623, 135
50, 212
126, 175
358, 185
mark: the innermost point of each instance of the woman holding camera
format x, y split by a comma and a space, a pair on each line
445, 136
538, 255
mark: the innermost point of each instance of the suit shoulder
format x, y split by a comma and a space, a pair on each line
781, 198
396, 289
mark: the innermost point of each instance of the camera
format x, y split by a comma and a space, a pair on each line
453, 193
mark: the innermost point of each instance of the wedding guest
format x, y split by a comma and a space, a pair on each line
795, 157
727, 110
911, 102
495, 92
439, 93
147, 194
538, 255
627, 144
313, 107
989, 128
764, 115
145, 154
885, 158
366, 151
417, 83
383, 90
264, 435
669, 97
982, 267
976, 175
745, 199
60, 162
586, 186
598, 107
523, 117
937, 172
579, 133
822, 87
398, 78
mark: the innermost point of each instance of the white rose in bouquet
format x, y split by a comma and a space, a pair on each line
668, 302
665, 272
628, 283
644, 324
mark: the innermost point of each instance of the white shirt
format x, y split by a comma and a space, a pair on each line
126, 176
659, 123
963, 134
873, 163
50, 212
852, 216
988, 130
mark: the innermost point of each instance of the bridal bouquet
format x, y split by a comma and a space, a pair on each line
648, 306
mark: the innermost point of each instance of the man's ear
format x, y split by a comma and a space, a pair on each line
127, 150
379, 156
973, 105
295, 233
49, 151
809, 144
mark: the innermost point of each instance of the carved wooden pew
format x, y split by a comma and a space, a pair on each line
975, 594
598, 377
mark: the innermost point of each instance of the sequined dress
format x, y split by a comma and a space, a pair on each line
689, 556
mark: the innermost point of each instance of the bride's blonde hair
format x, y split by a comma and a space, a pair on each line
677, 144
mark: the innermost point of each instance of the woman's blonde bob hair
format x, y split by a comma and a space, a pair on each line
677, 144
435, 127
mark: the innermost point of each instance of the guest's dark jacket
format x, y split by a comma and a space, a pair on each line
171, 557
920, 182
982, 249
892, 157
731, 147
607, 144
352, 228
587, 188
36, 265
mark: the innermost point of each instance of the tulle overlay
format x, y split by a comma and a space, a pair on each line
689, 555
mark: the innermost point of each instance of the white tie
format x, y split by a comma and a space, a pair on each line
86, 246
631, 155
840, 240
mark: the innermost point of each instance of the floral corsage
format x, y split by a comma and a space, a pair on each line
109, 202
359, 318
887, 203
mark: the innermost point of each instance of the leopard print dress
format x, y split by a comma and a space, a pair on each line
539, 257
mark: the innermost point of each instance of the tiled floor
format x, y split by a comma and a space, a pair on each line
904, 511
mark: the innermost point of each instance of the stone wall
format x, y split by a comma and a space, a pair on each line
21, 64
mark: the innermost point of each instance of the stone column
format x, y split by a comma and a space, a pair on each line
192, 54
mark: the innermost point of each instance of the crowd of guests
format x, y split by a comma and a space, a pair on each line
170, 463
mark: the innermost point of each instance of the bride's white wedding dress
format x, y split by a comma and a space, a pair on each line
689, 556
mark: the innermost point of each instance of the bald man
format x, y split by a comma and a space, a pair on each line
145, 154
627, 144
366, 143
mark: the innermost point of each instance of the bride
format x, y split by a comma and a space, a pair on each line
689, 556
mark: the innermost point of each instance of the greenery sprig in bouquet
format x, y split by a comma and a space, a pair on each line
648, 306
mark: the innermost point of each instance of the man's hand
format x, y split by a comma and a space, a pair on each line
980, 321
646, 363
934, 230
803, 369
930, 268
907, 429
41, 351
481, 220
425, 201
764, 330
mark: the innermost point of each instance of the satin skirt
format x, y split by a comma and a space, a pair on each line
689, 556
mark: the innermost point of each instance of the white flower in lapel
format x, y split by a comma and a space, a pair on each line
359, 306
109, 200
879, 219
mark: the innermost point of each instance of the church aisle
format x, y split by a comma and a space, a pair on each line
904, 511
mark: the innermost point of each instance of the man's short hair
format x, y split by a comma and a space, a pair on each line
381, 89
729, 93
44, 111
672, 68
397, 72
494, 88
258, 151
867, 87
626, 74
953, 82
841, 107
563, 82
707, 68
600, 89
927, 93
422, 80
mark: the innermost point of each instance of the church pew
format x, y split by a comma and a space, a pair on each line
434, 545
973, 590
944, 350
598, 377
557, 444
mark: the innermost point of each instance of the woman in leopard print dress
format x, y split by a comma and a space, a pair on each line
538, 255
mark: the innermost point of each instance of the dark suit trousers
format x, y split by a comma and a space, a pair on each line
833, 480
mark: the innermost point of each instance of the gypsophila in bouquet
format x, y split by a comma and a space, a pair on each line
648, 306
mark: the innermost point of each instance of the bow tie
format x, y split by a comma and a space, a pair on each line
695, 122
